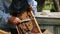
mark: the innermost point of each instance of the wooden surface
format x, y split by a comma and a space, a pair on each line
4, 32
52, 23
53, 19
48, 14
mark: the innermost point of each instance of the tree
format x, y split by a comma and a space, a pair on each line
56, 5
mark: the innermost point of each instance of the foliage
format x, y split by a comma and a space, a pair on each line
48, 5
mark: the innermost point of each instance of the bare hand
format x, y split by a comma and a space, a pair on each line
14, 20
30, 7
